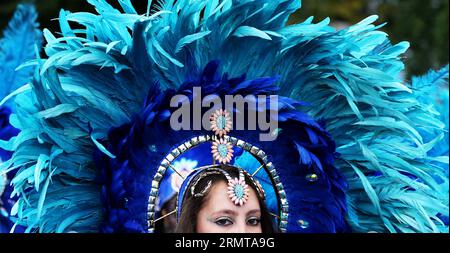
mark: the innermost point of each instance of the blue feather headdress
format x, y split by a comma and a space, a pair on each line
18, 46
301, 149
90, 137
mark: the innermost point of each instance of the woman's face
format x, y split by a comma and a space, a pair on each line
220, 215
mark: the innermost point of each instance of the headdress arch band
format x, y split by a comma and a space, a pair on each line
256, 152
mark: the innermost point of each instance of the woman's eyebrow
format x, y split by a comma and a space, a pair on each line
253, 211
226, 211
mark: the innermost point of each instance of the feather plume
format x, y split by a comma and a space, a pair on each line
19, 45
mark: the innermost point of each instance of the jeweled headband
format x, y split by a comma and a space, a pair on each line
237, 187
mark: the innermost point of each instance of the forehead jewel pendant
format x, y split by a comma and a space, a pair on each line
222, 151
238, 189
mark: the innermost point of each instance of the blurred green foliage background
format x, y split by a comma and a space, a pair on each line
424, 23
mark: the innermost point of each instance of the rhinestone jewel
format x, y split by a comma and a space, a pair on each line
303, 224
312, 177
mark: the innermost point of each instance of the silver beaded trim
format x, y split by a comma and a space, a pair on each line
269, 168
4, 182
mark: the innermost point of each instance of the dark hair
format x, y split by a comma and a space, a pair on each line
192, 205
168, 224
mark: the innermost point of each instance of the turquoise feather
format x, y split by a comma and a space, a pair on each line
17, 47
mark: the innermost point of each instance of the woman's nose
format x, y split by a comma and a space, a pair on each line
241, 227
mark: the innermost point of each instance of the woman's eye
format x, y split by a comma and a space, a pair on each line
254, 221
223, 222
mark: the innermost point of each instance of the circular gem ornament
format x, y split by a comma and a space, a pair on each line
222, 151
221, 122
238, 191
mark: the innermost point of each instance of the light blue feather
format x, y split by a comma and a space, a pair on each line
17, 47
244, 31
432, 90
